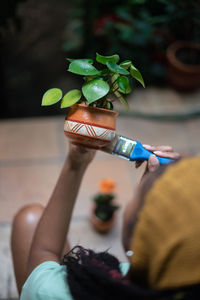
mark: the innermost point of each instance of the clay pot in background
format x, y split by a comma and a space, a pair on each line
98, 224
90, 126
184, 65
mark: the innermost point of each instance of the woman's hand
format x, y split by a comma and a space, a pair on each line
163, 151
79, 155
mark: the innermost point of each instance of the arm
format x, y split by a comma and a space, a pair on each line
50, 235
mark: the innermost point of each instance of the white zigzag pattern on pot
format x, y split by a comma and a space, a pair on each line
89, 130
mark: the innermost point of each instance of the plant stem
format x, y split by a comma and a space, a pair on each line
113, 83
115, 90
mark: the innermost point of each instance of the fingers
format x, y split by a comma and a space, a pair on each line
162, 151
158, 148
80, 148
173, 155
152, 163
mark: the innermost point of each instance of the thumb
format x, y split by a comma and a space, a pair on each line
153, 163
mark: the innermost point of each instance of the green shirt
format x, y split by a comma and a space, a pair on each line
49, 281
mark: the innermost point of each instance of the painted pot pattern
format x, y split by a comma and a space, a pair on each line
89, 130
89, 126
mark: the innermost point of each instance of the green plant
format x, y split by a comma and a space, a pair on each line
100, 87
139, 29
104, 208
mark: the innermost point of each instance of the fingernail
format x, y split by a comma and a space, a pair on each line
153, 163
158, 152
147, 146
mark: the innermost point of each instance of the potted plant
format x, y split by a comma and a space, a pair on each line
183, 52
91, 120
103, 212
184, 65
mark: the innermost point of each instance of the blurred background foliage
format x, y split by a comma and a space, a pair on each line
9, 20
37, 35
140, 30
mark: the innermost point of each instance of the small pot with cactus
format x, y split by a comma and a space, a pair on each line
104, 208
91, 120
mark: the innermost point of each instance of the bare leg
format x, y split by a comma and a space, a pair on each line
24, 225
23, 229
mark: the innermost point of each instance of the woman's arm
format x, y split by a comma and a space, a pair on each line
51, 232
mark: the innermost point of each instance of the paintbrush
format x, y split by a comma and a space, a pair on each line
131, 150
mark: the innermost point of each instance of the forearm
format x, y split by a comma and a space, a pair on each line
53, 227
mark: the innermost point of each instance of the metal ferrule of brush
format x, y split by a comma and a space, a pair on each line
124, 147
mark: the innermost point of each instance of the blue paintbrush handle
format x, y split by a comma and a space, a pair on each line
140, 153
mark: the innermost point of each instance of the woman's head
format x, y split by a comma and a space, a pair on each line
162, 227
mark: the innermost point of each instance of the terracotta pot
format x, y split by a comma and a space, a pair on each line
98, 224
181, 75
90, 126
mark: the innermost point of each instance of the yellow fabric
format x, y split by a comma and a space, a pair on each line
166, 238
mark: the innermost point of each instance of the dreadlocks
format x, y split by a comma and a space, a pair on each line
97, 276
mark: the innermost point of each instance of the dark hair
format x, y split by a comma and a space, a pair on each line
97, 276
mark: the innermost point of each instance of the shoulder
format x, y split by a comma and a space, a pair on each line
49, 279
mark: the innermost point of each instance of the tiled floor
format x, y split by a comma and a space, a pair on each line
31, 155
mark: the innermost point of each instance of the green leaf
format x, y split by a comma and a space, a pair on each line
125, 64
121, 99
104, 59
51, 96
82, 67
70, 98
113, 67
135, 73
102, 215
109, 105
123, 84
88, 78
95, 89
104, 72
89, 60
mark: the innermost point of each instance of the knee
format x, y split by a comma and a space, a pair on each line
28, 214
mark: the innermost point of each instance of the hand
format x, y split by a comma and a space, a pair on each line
80, 155
163, 151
